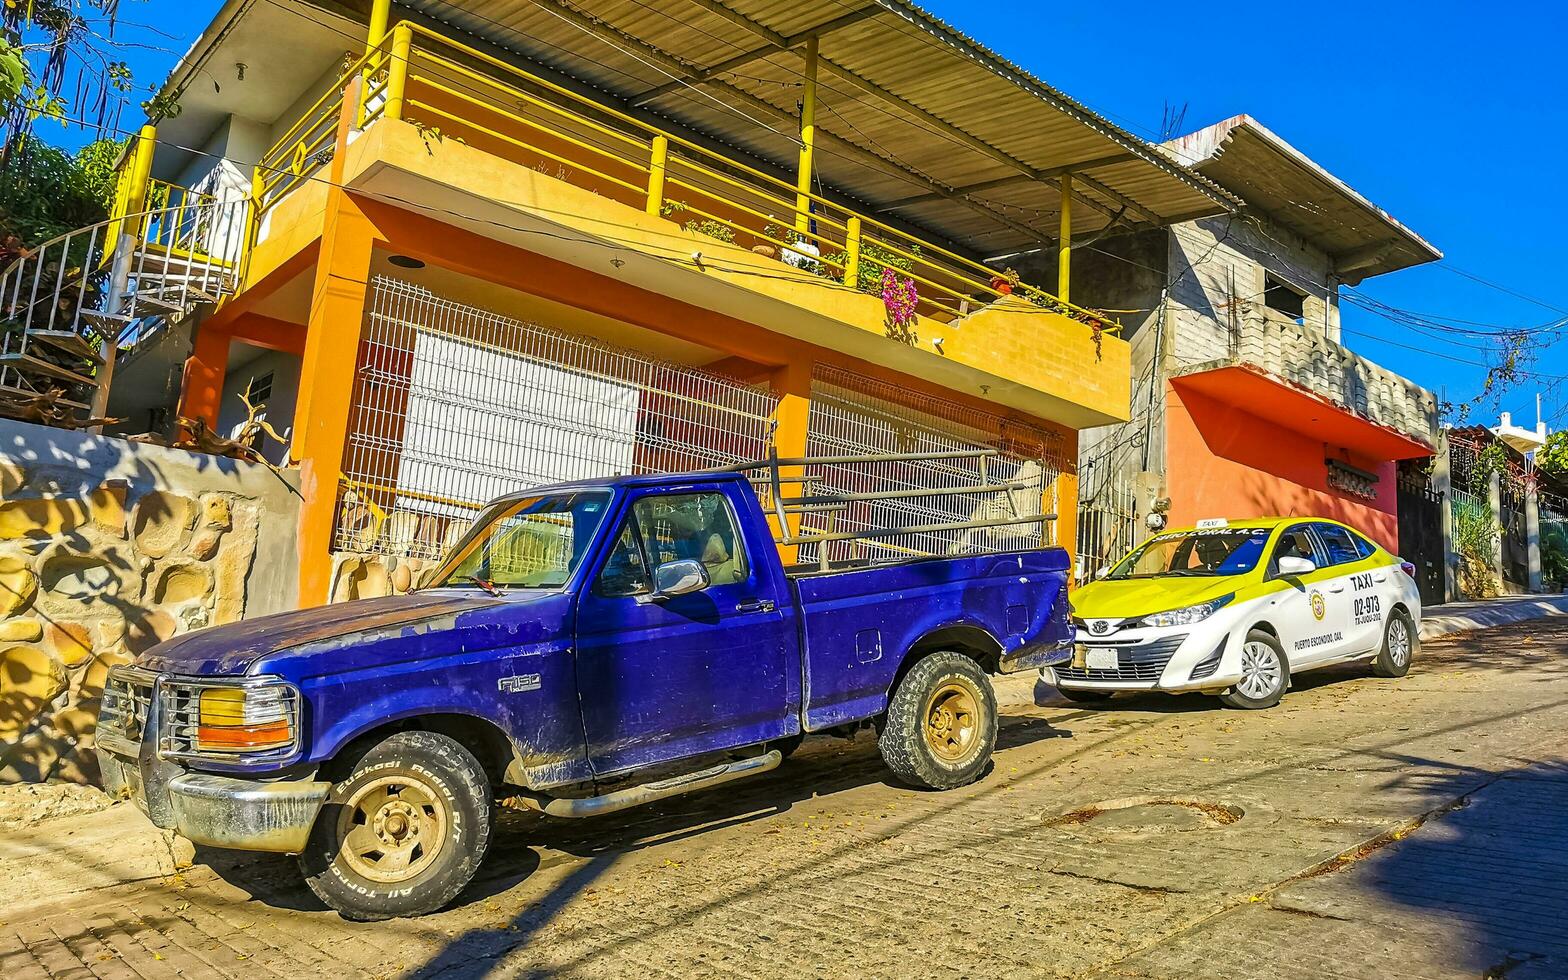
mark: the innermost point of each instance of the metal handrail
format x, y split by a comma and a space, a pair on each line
412, 63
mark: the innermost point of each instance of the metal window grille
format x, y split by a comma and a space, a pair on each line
855, 415
1107, 527
455, 406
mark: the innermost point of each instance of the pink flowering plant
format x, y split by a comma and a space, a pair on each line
901, 299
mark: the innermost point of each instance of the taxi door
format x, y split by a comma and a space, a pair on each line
1302, 609
1357, 591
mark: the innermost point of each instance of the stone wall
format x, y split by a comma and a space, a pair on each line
106, 548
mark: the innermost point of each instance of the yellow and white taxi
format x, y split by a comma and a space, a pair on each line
1236, 608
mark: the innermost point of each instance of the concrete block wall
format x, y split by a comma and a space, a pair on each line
1218, 313
1307, 358
108, 547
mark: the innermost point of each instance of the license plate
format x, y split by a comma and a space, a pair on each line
1101, 658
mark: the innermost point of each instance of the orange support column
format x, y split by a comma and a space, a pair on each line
327, 367
792, 383
1065, 489
201, 391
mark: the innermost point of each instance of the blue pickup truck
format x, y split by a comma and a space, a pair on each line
587, 647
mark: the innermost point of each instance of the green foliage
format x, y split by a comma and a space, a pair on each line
1476, 533
1553, 457
46, 191
873, 259
1492, 458
1554, 553
13, 73
711, 228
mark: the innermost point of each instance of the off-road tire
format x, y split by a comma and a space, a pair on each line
921, 697
420, 773
1389, 663
1238, 698
1083, 697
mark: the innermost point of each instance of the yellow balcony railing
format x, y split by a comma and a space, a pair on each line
453, 91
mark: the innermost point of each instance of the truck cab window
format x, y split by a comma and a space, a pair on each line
697, 526
626, 569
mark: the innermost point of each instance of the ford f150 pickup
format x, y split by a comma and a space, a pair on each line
586, 647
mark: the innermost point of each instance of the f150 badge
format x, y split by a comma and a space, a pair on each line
519, 683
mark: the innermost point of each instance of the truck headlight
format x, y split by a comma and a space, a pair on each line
259, 718
1187, 615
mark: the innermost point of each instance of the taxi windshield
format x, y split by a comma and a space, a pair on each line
1204, 552
532, 543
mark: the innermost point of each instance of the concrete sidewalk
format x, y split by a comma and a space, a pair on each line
1458, 617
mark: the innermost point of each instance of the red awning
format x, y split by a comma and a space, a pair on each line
1278, 401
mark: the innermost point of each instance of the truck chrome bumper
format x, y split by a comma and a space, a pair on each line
222, 811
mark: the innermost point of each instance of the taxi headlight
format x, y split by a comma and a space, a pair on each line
1188, 615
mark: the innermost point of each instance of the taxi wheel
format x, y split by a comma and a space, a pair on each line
1265, 673
1400, 643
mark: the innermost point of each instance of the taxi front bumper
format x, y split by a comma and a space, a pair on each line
1199, 657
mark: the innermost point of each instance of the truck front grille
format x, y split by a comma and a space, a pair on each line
122, 714
1138, 662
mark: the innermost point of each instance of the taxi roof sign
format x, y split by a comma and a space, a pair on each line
1208, 522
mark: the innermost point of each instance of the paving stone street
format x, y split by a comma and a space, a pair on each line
1363, 828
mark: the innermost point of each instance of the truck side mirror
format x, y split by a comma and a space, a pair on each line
1290, 565
681, 577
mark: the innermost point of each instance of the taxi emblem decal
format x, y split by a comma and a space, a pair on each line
1319, 607
1100, 627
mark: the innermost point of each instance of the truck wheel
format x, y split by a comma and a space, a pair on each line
1400, 643
404, 832
1265, 673
941, 723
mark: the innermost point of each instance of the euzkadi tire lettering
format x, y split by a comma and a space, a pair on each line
394, 837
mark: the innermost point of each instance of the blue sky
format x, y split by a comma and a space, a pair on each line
1449, 115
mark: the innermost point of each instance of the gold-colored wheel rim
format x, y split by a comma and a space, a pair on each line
392, 829
953, 721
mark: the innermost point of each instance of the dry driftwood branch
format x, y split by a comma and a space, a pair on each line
197, 435
45, 409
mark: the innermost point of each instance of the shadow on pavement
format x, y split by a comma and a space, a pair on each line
1490, 872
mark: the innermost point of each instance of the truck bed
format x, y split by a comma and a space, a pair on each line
856, 624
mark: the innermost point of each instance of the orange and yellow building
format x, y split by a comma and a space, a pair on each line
492, 244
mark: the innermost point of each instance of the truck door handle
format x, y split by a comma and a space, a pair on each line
755, 605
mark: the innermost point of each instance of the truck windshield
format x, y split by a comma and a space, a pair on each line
1208, 551
533, 543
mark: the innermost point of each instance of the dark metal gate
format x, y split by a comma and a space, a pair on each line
1421, 528
1516, 538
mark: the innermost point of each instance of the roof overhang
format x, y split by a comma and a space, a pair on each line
1289, 406
915, 120
1280, 181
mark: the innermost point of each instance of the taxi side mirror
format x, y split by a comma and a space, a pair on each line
1291, 566
1102, 572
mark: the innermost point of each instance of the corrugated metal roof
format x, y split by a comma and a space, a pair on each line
911, 112
1280, 181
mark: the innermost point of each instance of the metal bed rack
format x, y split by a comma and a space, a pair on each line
782, 507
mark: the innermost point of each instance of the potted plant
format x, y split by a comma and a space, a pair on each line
1005, 281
